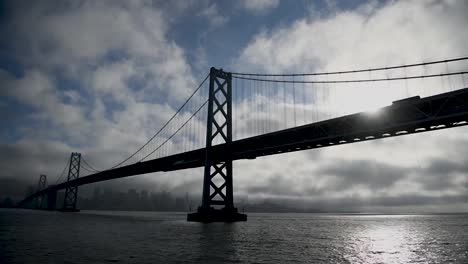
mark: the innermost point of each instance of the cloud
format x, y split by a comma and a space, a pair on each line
214, 16
380, 204
101, 77
132, 33
370, 174
36, 157
359, 38
276, 185
387, 171
259, 6
445, 175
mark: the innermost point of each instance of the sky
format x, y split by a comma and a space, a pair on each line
101, 77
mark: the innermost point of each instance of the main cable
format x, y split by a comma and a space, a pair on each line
89, 166
354, 71
87, 169
354, 81
164, 126
63, 171
169, 138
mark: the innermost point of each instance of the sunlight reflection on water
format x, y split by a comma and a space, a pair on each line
385, 243
146, 237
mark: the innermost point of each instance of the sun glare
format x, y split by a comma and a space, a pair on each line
391, 241
366, 99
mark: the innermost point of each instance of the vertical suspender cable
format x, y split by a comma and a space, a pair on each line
303, 101
285, 120
234, 110
294, 100
448, 77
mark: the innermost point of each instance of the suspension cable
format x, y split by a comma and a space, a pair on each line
89, 166
63, 171
353, 71
354, 81
164, 126
87, 169
169, 138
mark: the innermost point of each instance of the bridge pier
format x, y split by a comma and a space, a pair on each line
210, 214
217, 181
51, 200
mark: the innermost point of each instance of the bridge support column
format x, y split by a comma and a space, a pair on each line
42, 184
217, 181
51, 200
71, 193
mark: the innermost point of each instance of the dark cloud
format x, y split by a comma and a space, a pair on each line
339, 174
371, 174
16, 189
26, 160
402, 203
442, 174
275, 185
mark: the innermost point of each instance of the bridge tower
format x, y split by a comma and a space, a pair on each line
71, 193
41, 185
217, 181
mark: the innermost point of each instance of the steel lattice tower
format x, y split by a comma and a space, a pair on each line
71, 193
217, 181
41, 185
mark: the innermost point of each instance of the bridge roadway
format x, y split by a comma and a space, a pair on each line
407, 116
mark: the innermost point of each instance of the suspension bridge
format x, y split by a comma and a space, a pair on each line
232, 116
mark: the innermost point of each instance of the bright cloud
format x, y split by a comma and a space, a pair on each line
369, 36
214, 16
372, 35
104, 75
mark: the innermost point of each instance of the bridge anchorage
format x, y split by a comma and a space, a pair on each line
217, 181
71, 192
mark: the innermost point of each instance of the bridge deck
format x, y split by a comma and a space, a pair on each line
404, 117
